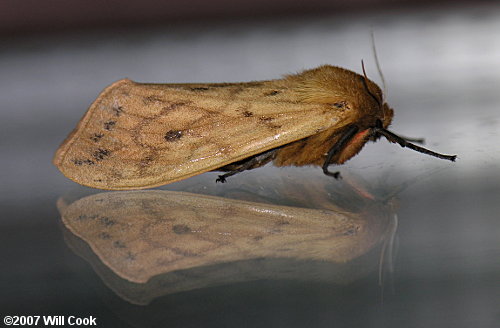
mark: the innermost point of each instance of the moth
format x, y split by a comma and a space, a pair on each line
140, 135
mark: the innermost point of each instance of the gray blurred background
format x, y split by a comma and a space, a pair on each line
440, 61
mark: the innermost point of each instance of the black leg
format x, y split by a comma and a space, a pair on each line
417, 140
351, 132
378, 126
252, 162
404, 143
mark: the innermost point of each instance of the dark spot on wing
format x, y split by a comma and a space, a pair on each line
268, 122
79, 162
109, 125
181, 229
96, 137
247, 113
118, 110
146, 161
271, 93
130, 256
119, 244
107, 221
104, 235
100, 154
173, 135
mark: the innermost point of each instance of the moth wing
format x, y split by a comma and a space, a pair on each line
145, 135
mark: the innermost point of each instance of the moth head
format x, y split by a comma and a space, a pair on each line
354, 97
383, 116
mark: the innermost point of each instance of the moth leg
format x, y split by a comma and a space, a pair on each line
378, 126
421, 141
246, 164
417, 140
404, 143
344, 139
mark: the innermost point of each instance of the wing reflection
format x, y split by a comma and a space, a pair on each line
145, 244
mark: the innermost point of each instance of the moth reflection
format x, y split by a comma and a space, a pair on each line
171, 241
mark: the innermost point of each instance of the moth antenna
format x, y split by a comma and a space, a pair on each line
365, 82
377, 63
404, 143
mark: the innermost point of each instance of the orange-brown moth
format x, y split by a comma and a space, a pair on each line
138, 135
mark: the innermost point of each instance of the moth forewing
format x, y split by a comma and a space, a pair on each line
145, 135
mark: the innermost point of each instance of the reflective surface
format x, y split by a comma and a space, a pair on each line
443, 78
166, 242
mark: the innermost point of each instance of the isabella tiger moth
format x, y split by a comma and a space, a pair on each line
138, 135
